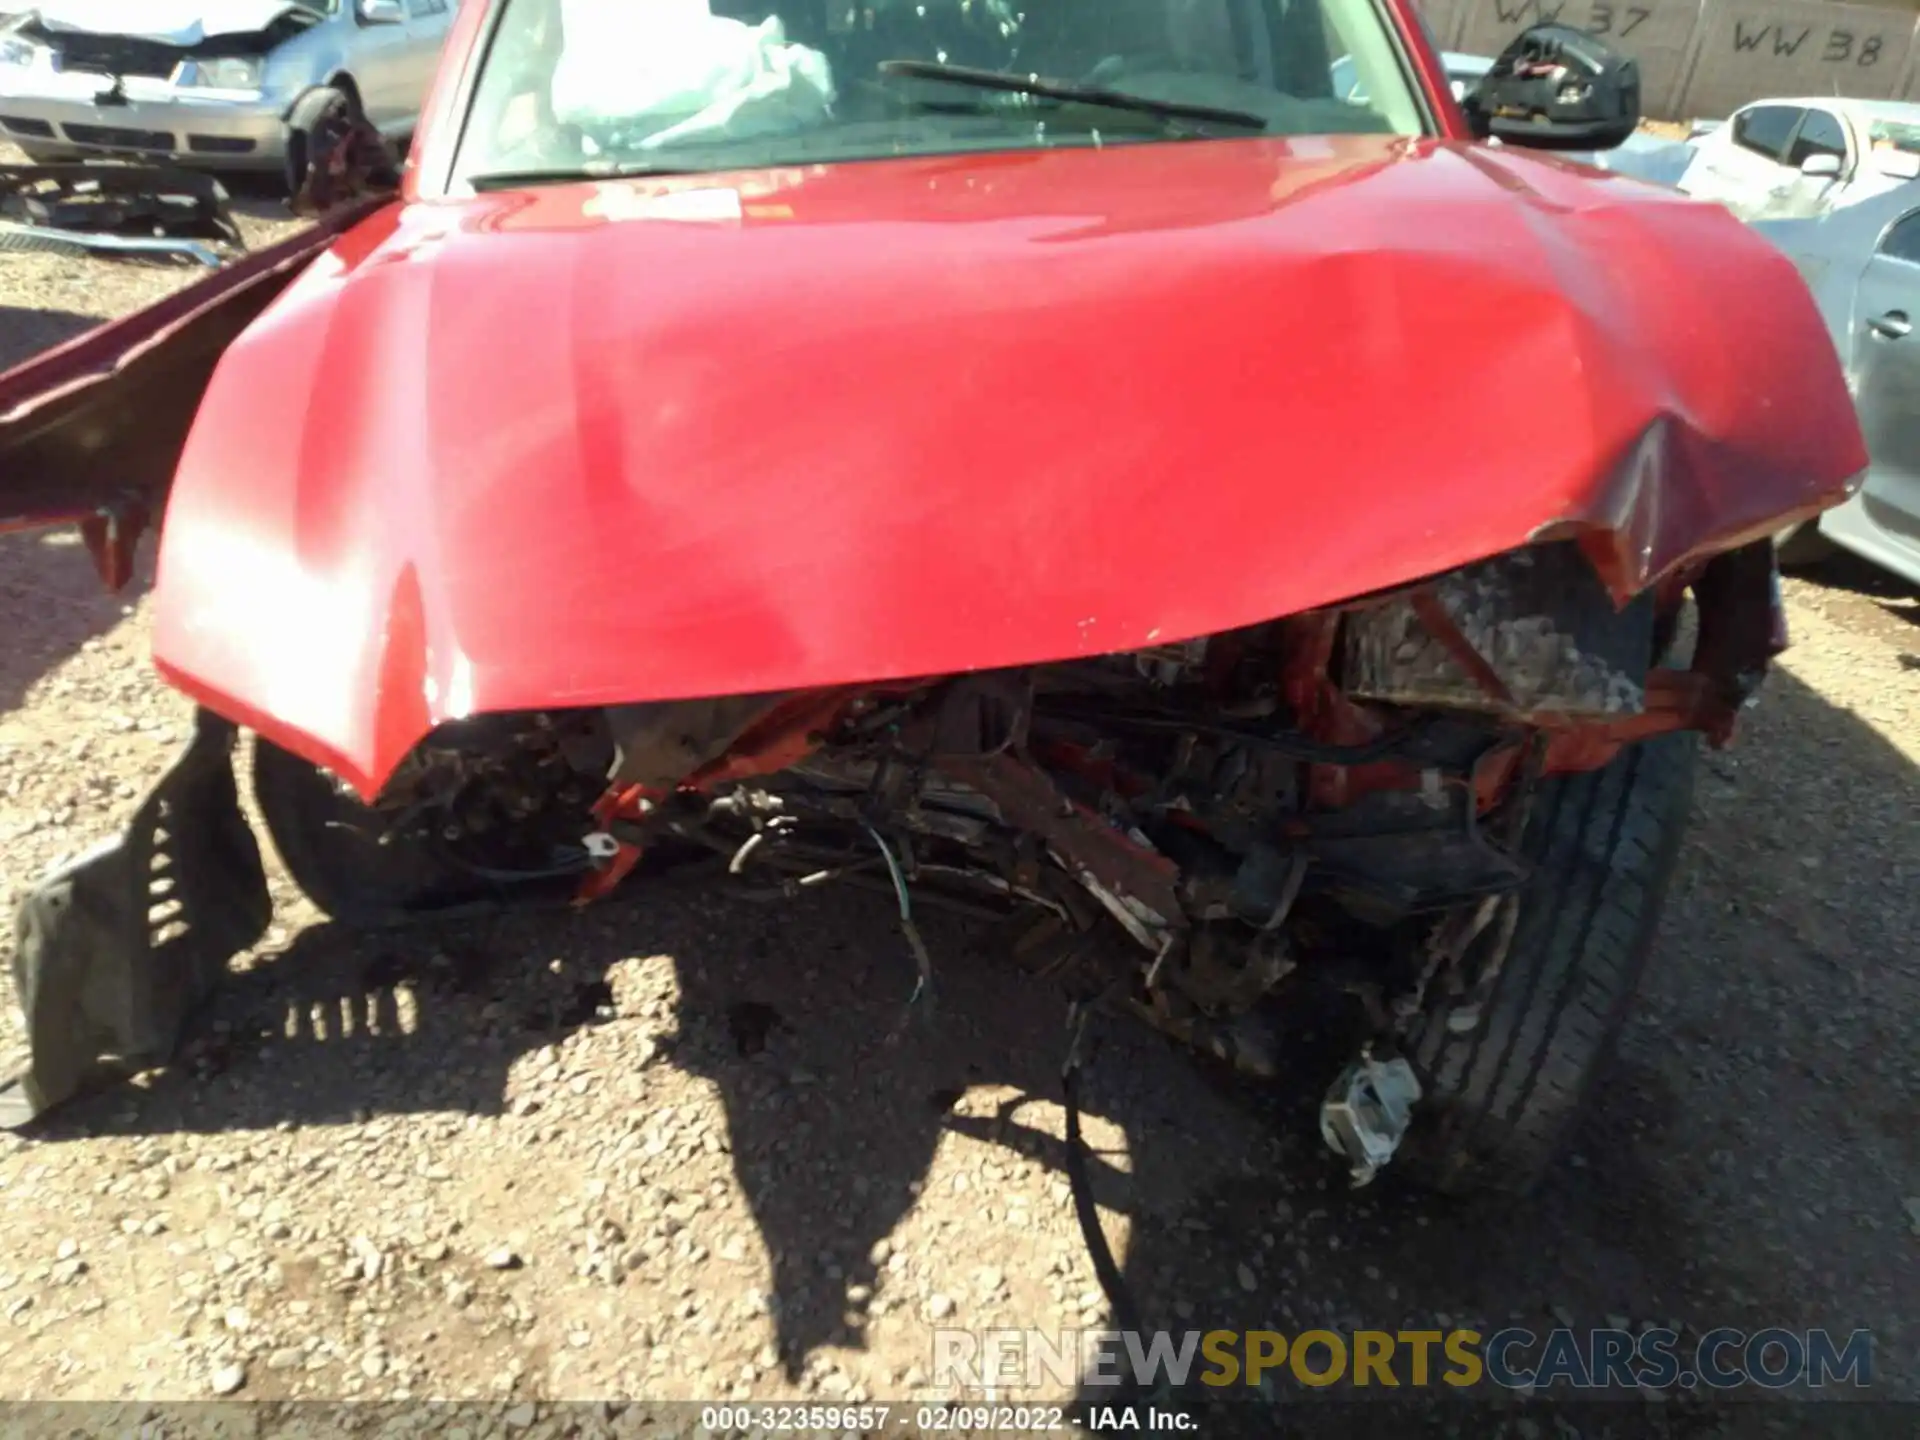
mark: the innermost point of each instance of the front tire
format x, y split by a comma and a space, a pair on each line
1503, 1096
329, 842
333, 152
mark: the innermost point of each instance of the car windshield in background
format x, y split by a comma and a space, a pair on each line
609, 86
1895, 135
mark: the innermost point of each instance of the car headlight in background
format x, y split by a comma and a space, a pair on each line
224, 72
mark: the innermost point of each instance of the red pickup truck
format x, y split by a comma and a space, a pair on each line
1064, 459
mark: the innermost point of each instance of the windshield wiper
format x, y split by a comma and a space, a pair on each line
1063, 90
602, 170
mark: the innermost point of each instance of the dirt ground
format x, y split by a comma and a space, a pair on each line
663, 1150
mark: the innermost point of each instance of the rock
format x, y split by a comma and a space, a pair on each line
68, 1249
503, 1258
373, 1364
1562, 1316
940, 1306
1244, 1273
288, 1357
518, 1418
227, 1379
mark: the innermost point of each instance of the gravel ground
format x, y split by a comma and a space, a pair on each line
663, 1150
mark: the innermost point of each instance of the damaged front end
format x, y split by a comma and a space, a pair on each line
1333, 800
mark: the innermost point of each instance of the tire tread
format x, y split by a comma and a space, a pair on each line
1501, 1098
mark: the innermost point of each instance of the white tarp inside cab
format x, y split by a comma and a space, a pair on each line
672, 70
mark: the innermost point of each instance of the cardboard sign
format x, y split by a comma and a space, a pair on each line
1654, 32
1758, 49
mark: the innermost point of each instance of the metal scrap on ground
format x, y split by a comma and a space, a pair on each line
119, 210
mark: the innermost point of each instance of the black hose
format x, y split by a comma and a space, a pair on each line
1126, 1312
1112, 1283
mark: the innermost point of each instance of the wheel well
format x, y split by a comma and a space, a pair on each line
341, 82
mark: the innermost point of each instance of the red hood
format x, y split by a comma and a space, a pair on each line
669, 439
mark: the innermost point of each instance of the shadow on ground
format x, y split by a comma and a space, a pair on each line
47, 576
1844, 574
1742, 1164
24, 332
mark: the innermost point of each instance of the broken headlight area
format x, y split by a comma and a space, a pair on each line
1336, 793
222, 72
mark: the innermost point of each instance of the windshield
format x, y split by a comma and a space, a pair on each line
689, 85
1896, 135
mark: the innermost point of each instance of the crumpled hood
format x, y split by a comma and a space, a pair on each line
173, 22
651, 440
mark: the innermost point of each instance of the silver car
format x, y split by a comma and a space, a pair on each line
1862, 263
207, 82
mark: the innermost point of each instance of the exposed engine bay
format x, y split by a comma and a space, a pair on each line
1337, 797
1169, 792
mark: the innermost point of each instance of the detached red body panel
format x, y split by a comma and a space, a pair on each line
776, 430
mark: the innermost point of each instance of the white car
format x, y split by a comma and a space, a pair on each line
1862, 264
1793, 159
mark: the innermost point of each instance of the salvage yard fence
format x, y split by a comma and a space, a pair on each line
1702, 59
